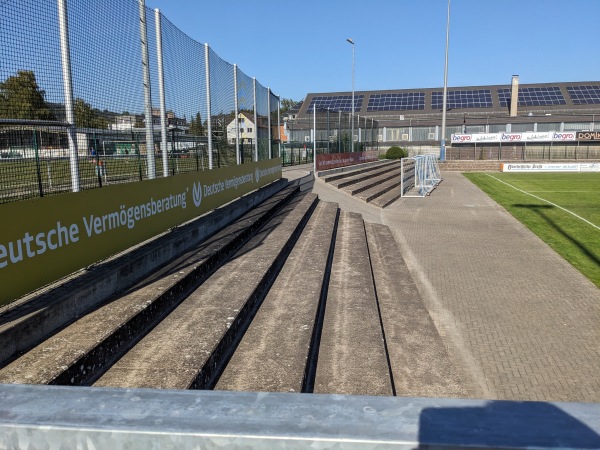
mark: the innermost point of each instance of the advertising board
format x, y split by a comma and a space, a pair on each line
47, 238
550, 167
528, 136
334, 160
588, 135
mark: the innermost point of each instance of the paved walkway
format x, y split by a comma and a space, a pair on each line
519, 321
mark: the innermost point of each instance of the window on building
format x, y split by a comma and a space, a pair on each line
249, 130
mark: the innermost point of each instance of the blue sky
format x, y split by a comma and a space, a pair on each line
297, 47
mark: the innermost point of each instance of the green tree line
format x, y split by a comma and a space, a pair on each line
22, 98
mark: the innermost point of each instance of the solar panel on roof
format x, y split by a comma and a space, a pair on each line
475, 98
534, 96
584, 95
396, 101
336, 103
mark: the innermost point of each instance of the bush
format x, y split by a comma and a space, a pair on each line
396, 153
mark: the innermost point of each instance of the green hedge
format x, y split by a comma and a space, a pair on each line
396, 153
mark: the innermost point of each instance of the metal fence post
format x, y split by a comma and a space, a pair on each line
255, 120
147, 93
339, 136
65, 54
279, 124
208, 106
237, 115
315, 138
328, 149
269, 123
37, 162
138, 156
161, 94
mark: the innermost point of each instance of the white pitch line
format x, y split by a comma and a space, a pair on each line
563, 192
544, 200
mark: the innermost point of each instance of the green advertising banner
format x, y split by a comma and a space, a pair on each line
44, 239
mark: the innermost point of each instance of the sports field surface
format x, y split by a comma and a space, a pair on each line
563, 209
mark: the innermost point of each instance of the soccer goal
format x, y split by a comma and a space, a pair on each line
419, 175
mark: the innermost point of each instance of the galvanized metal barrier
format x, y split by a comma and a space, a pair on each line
54, 417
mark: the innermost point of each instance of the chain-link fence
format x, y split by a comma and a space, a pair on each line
334, 131
109, 91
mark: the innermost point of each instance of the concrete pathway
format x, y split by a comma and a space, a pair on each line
519, 321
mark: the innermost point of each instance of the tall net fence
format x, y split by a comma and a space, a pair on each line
31, 83
109, 91
246, 119
330, 131
274, 123
222, 109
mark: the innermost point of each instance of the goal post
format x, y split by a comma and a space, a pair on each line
420, 175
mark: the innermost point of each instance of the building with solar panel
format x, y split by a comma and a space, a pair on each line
517, 114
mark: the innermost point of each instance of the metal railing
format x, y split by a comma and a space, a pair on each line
77, 417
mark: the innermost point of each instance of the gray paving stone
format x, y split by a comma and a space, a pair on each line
521, 322
419, 361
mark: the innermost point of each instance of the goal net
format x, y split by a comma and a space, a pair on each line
419, 175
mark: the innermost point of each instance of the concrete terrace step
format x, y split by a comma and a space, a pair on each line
81, 351
335, 174
377, 189
189, 348
420, 364
371, 182
378, 186
39, 315
277, 353
308, 299
352, 356
387, 198
361, 176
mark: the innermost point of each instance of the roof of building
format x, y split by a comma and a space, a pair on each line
544, 100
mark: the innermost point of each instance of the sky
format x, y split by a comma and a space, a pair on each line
299, 47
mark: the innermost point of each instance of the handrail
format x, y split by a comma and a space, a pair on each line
83, 417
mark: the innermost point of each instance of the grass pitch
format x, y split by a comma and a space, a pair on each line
563, 209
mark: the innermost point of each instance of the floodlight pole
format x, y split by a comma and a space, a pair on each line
352, 136
443, 141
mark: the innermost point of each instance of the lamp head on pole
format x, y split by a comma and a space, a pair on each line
350, 40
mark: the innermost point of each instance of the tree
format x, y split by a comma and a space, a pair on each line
287, 104
22, 98
196, 127
88, 117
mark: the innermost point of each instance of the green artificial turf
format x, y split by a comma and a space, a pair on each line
571, 237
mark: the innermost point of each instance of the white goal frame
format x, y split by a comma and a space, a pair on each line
420, 175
